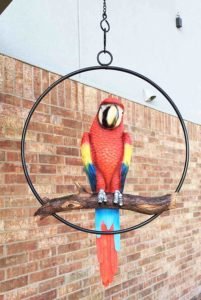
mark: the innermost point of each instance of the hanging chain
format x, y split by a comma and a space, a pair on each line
105, 26
104, 9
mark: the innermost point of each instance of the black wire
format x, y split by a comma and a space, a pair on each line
87, 69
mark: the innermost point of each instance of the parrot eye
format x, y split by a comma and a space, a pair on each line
110, 116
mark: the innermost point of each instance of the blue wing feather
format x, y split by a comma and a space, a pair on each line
124, 171
91, 173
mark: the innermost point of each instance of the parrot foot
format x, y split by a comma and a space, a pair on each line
102, 196
118, 198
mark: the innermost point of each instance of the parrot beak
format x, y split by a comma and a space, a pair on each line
110, 115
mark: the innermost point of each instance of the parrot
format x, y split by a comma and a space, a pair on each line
106, 152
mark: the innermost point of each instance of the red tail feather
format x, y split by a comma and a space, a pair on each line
107, 256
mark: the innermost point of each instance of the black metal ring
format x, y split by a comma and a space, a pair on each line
79, 72
105, 52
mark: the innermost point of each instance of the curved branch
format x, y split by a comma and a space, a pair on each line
86, 200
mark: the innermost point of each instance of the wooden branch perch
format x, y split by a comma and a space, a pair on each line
86, 200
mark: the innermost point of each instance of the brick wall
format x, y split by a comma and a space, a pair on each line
47, 260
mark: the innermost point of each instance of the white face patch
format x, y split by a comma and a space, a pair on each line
110, 115
120, 115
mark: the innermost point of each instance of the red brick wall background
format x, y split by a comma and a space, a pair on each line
47, 260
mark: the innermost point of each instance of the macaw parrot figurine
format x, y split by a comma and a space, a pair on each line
106, 154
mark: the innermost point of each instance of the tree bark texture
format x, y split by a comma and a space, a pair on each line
86, 200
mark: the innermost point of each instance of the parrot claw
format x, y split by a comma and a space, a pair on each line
118, 198
102, 196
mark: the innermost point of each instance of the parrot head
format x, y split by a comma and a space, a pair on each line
110, 113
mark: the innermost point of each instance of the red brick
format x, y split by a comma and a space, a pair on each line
22, 269
60, 189
13, 190
53, 93
72, 179
129, 283
18, 78
42, 107
37, 82
51, 159
10, 99
45, 169
13, 260
1, 250
61, 95
77, 255
41, 254
20, 202
2, 275
70, 132
22, 293
47, 221
70, 141
13, 284
13, 156
79, 294
28, 81
2, 74
51, 284
67, 151
72, 124
63, 112
73, 161
70, 267
69, 247
133, 257
48, 179
158, 285
49, 295
135, 289
146, 292
47, 138
21, 247
15, 178
41, 127
41, 117
113, 290
45, 80
10, 145
121, 295
67, 87
42, 275
2, 156
52, 261
9, 73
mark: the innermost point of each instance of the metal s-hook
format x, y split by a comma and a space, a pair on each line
105, 27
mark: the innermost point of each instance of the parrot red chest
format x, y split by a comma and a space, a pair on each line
107, 153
